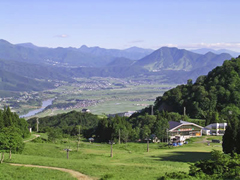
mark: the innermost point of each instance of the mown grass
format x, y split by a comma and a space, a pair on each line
9, 172
215, 137
129, 161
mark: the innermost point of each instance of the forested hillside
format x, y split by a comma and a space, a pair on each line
9, 119
66, 123
210, 97
13, 82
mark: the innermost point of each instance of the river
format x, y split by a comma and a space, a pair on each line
33, 112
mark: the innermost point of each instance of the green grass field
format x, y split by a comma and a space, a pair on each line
129, 161
9, 172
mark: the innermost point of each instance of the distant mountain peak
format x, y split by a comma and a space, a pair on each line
172, 58
2, 41
27, 45
210, 53
83, 46
220, 51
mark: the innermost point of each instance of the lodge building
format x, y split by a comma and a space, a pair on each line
183, 128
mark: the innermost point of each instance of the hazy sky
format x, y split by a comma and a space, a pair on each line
122, 23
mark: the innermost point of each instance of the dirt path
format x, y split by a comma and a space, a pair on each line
36, 135
75, 174
203, 140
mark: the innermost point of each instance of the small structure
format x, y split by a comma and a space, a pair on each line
185, 129
215, 129
67, 150
91, 139
124, 114
86, 111
206, 131
216, 141
155, 139
180, 140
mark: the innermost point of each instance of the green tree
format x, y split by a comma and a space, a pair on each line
161, 126
1, 120
189, 82
230, 136
11, 140
145, 132
54, 134
7, 116
125, 135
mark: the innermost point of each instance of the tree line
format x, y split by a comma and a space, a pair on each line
135, 128
12, 131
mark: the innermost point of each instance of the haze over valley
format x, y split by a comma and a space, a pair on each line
31, 74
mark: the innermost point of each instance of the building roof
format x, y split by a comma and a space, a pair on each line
173, 124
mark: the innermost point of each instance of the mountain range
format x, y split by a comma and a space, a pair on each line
220, 51
48, 65
83, 56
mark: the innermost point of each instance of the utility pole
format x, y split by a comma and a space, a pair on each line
167, 135
184, 111
67, 152
119, 136
111, 155
37, 124
147, 143
151, 109
78, 137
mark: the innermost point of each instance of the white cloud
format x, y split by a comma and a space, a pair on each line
62, 36
220, 45
136, 41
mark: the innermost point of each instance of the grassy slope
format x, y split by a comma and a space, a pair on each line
28, 173
129, 162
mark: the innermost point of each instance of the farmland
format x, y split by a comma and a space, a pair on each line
100, 95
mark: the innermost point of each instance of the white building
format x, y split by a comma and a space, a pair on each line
86, 111
185, 129
215, 129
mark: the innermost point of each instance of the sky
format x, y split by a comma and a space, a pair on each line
120, 24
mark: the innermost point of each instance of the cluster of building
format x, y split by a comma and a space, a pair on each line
180, 131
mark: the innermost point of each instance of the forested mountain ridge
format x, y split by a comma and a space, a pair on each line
63, 64
12, 82
210, 96
133, 53
167, 58
83, 56
35, 71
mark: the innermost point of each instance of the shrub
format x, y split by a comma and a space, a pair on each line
107, 176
